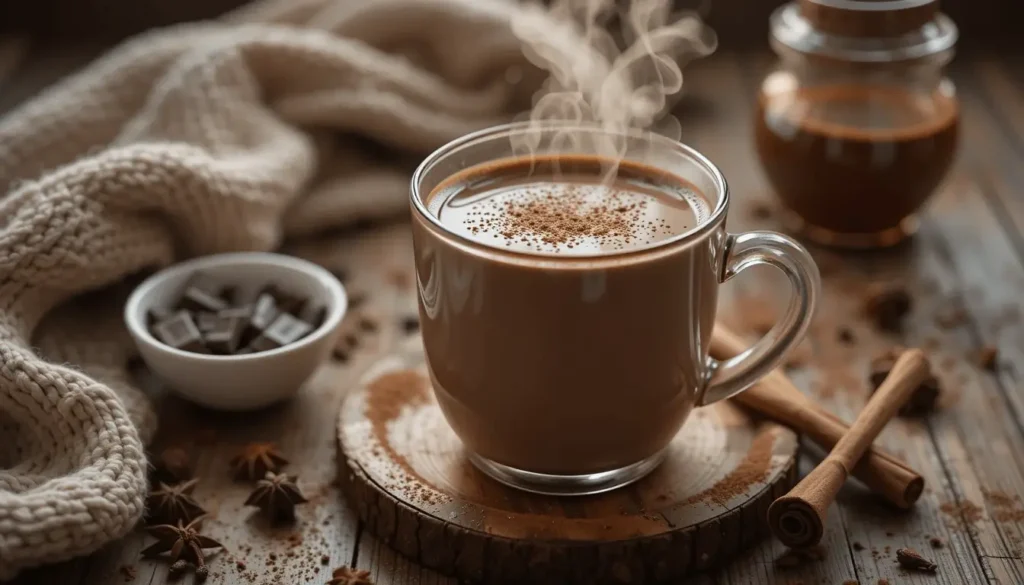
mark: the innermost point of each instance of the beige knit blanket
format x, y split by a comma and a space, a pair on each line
204, 138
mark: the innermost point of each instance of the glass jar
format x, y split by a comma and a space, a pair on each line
857, 124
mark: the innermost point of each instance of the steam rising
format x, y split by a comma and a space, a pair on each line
595, 82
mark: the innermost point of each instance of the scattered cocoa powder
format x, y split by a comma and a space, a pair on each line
887, 305
128, 572
400, 278
857, 546
568, 216
951, 316
355, 300
986, 357
845, 335
965, 511
936, 542
761, 210
1007, 508
798, 557
883, 582
386, 397
410, 324
752, 469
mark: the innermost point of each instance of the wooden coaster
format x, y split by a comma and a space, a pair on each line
406, 473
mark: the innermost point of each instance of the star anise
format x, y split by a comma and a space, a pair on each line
350, 576
276, 495
185, 545
256, 459
170, 504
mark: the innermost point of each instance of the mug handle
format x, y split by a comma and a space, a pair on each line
742, 251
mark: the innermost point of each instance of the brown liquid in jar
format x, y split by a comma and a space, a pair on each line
854, 162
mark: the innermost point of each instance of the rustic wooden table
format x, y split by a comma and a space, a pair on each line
967, 260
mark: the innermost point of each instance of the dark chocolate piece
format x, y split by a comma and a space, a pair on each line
195, 299
243, 311
264, 311
286, 302
180, 332
284, 330
205, 321
313, 313
202, 293
225, 335
157, 314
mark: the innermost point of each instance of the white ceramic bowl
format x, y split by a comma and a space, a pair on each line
248, 381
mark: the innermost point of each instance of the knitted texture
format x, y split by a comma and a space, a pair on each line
202, 138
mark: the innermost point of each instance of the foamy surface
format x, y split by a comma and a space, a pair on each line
575, 216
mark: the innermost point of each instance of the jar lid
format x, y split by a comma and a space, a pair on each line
866, 31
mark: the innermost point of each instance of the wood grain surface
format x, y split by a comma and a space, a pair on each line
968, 258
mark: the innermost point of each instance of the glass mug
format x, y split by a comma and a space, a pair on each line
570, 374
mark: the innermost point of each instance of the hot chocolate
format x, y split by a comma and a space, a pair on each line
557, 347
567, 301
564, 207
854, 161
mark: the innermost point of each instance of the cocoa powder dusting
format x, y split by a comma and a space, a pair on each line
385, 399
752, 469
1006, 507
966, 511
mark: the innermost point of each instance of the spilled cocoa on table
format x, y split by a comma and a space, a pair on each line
752, 469
385, 399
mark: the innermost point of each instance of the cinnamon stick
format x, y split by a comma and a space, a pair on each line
778, 399
798, 518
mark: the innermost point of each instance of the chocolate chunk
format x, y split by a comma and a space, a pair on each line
313, 313
263, 312
205, 320
888, 305
202, 293
909, 558
256, 319
286, 302
284, 330
157, 314
194, 299
226, 334
180, 332
924, 398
